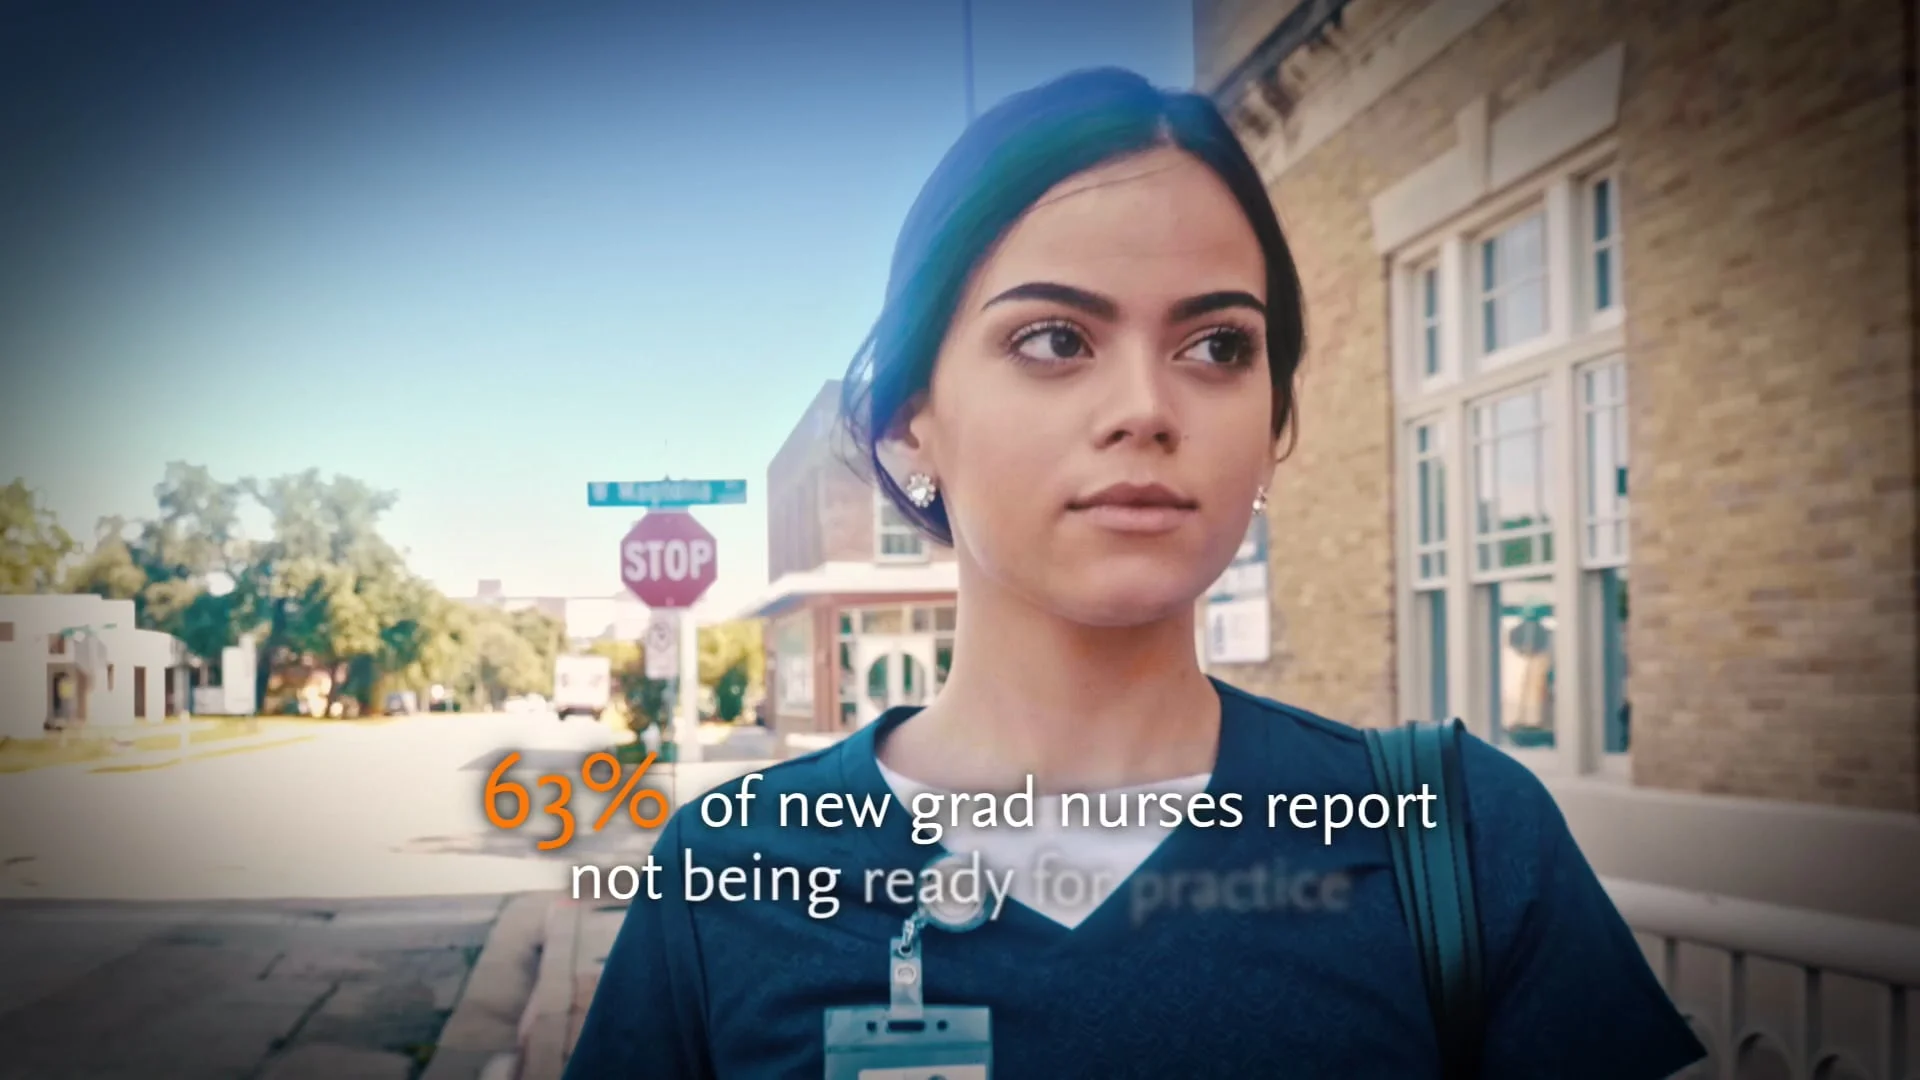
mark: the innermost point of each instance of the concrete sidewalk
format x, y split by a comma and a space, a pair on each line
579, 934
575, 937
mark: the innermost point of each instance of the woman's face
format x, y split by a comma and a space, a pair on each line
1100, 417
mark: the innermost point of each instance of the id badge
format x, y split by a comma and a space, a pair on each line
907, 1039
946, 1042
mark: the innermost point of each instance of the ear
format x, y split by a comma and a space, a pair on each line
911, 436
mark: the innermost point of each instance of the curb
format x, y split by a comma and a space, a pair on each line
481, 1039
548, 1022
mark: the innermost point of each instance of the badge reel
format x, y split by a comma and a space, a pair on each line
908, 1039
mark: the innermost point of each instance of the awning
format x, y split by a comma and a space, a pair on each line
853, 579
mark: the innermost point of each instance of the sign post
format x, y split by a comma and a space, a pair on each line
663, 644
669, 560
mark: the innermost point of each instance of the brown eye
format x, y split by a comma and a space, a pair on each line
1050, 344
1222, 348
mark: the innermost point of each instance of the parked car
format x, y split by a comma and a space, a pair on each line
402, 703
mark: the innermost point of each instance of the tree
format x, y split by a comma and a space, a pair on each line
730, 694
732, 662
110, 569
321, 588
505, 661
32, 543
646, 699
165, 567
195, 536
421, 637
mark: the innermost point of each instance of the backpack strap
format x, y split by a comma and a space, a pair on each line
1433, 871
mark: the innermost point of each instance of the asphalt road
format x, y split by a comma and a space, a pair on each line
389, 810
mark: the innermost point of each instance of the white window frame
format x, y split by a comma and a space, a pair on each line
1416, 283
1574, 337
1435, 452
1598, 318
1614, 516
1608, 407
1540, 534
1505, 352
883, 509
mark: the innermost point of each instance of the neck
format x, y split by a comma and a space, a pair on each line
1077, 707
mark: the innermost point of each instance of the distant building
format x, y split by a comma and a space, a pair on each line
79, 661
615, 617
1549, 247
860, 610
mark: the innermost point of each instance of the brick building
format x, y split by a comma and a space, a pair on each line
1549, 245
860, 612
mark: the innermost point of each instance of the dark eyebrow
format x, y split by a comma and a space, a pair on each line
1092, 303
1207, 303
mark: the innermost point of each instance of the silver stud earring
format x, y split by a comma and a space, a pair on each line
921, 490
1260, 501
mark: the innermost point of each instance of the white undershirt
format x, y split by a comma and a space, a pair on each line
1078, 866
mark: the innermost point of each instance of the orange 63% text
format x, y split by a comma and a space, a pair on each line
600, 772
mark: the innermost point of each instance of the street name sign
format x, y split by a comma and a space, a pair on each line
666, 494
668, 560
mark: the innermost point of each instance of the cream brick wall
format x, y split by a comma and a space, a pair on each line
1767, 202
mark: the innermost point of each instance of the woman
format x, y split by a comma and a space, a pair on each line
1082, 380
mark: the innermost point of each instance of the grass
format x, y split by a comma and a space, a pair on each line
19, 755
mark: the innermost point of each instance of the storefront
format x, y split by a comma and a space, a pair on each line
849, 641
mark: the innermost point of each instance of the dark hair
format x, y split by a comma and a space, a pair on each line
1002, 164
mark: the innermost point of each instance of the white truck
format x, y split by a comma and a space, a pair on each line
582, 685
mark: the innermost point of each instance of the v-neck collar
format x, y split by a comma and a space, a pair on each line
893, 846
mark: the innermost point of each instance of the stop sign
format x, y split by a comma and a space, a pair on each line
667, 559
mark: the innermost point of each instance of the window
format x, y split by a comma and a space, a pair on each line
1520, 694
849, 681
1603, 240
1426, 283
1603, 420
1512, 280
907, 666
792, 640
1511, 529
1513, 481
1430, 637
896, 539
56, 645
1603, 408
139, 693
1430, 505
1429, 517
944, 621
6, 632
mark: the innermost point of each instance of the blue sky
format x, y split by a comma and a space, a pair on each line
480, 254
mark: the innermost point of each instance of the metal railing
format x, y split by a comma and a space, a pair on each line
1781, 993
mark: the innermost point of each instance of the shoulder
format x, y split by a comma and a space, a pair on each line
1505, 799
1516, 828
765, 812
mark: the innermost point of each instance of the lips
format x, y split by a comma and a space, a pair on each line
1141, 496
1141, 509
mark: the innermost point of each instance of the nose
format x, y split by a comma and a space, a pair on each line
1138, 406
